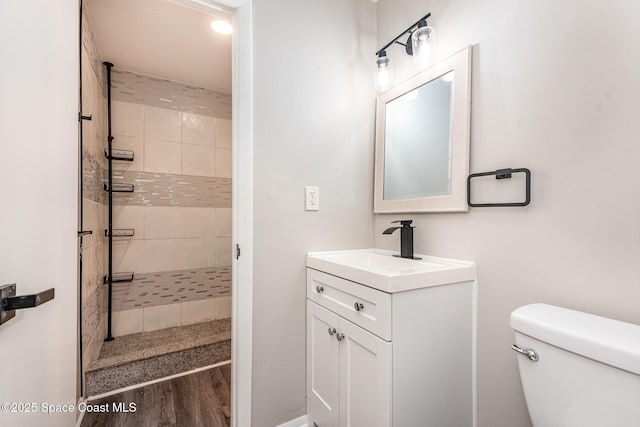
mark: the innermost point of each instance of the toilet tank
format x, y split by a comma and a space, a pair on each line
588, 368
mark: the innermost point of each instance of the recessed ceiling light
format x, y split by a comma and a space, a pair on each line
221, 27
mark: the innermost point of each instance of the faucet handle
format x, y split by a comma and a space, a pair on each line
403, 222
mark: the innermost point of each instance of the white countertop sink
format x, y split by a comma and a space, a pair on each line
381, 270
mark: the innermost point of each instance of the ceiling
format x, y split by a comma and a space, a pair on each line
163, 39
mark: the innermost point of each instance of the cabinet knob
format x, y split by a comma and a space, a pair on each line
358, 306
319, 289
339, 336
332, 331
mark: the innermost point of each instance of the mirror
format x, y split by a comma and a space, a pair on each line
422, 140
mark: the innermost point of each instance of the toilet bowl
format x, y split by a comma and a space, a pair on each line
577, 369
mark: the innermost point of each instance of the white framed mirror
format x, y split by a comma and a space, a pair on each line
422, 140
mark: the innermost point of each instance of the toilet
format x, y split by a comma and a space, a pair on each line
577, 369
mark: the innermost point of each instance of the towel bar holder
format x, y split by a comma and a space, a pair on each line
501, 174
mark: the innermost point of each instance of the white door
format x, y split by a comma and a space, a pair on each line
323, 361
38, 208
365, 378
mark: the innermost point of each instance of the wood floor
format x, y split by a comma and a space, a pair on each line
200, 399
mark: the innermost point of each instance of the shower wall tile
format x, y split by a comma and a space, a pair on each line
223, 163
88, 285
198, 160
91, 58
198, 253
127, 119
156, 189
162, 222
91, 222
198, 129
93, 133
223, 251
162, 124
180, 209
92, 178
100, 267
162, 255
127, 322
125, 216
132, 144
199, 311
222, 307
168, 287
161, 317
148, 90
223, 133
92, 326
198, 222
162, 156
223, 222
128, 255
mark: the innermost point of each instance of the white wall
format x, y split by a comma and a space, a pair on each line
313, 125
555, 89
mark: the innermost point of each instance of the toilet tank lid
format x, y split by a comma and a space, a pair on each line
606, 340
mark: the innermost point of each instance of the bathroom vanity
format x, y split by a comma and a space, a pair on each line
390, 341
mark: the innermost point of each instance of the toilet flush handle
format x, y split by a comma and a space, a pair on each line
529, 352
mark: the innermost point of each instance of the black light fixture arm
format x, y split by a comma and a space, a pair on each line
408, 30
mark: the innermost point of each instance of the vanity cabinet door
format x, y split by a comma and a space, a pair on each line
365, 378
323, 361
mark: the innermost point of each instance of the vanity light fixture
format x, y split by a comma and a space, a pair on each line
417, 45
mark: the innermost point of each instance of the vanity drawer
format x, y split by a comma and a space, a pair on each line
373, 311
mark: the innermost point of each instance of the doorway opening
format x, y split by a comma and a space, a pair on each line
172, 235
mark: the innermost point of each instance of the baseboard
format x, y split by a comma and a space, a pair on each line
298, 422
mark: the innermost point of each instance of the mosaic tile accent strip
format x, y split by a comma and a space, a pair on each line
170, 287
92, 178
157, 92
162, 189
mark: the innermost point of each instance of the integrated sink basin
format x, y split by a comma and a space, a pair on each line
381, 270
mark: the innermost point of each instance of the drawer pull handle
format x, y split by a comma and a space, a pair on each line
319, 289
358, 306
332, 331
340, 336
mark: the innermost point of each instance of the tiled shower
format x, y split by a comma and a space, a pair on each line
179, 210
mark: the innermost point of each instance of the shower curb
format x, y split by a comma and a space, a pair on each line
146, 364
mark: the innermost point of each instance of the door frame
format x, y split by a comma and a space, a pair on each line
242, 208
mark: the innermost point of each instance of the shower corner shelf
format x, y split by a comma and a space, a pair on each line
120, 188
119, 278
120, 232
124, 155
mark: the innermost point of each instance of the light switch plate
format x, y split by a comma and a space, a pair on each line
312, 198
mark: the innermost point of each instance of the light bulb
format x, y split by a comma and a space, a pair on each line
384, 79
421, 41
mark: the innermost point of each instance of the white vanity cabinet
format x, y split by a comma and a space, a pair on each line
378, 359
348, 368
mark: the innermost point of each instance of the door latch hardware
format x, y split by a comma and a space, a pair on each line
9, 302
